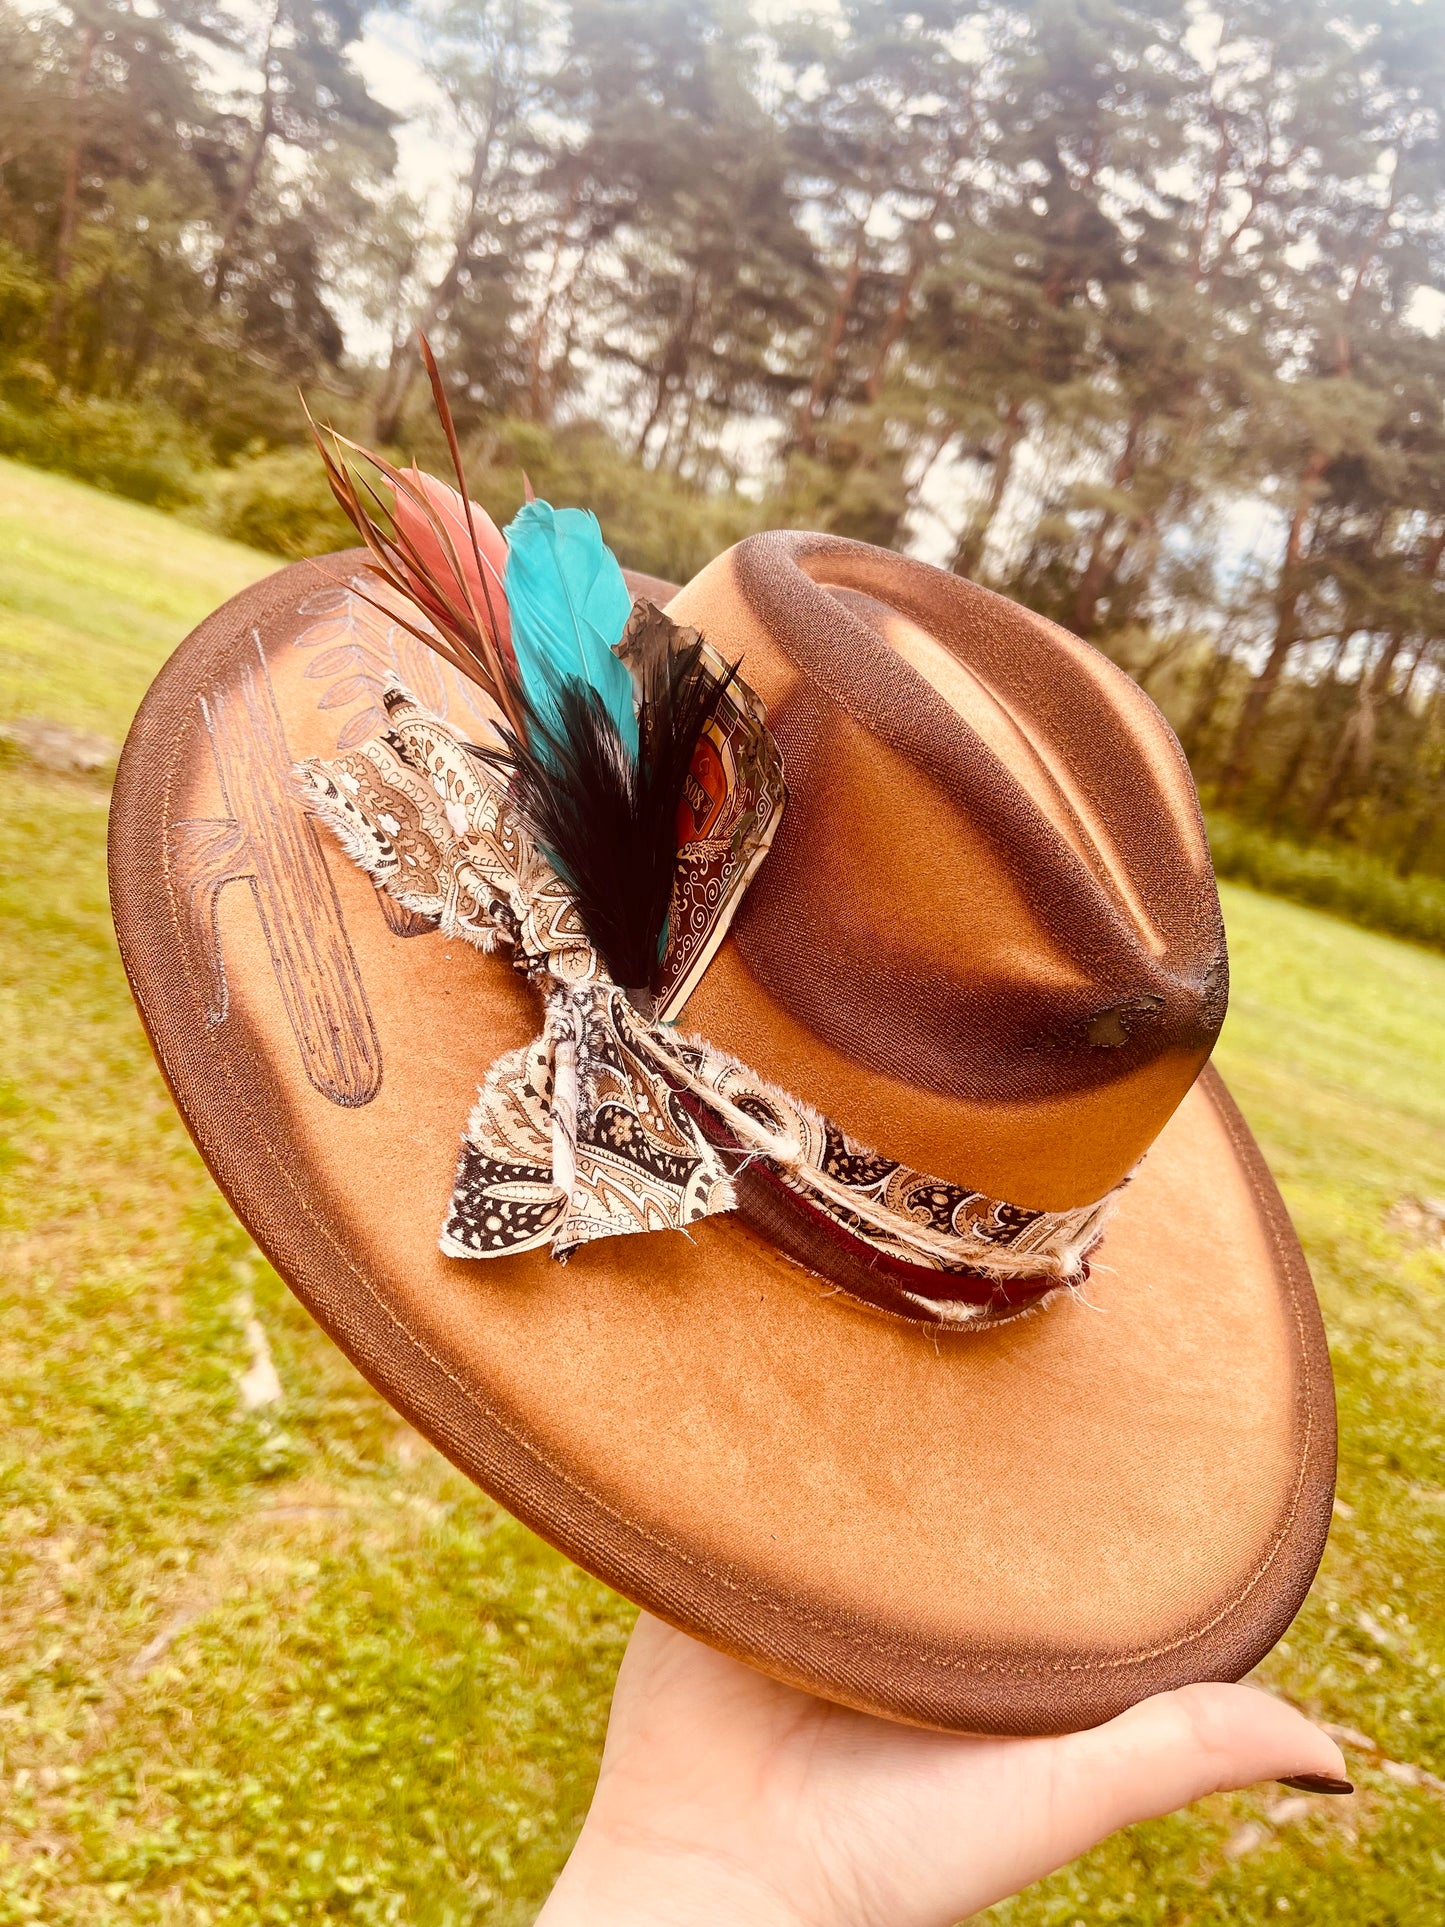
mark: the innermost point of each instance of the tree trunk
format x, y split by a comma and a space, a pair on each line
1201, 713
1354, 747
1289, 776
938, 442
1290, 587
678, 446
969, 549
826, 366
240, 204
1288, 592
1094, 579
1103, 563
1418, 841
1238, 765
1410, 674
893, 327
1305, 740
898, 314
672, 367
1223, 151
538, 404
250, 173
406, 357
70, 190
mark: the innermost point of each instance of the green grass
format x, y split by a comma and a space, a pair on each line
94, 593
1331, 876
289, 1668
1335, 1048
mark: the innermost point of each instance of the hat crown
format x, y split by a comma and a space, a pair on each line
987, 938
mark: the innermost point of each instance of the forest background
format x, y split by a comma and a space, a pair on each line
1130, 310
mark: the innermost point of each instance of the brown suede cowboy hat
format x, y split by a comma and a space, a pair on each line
985, 947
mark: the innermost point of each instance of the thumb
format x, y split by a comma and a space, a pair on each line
1175, 1748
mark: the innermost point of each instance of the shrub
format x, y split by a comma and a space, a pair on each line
277, 501
135, 449
652, 520
656, 523
23, 297
1332, 877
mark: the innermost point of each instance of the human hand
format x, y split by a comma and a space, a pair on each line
727, 1798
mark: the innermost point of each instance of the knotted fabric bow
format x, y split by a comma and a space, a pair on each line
611, 1121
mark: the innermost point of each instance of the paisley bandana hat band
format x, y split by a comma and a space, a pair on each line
612, 1121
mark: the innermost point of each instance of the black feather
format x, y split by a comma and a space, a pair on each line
606, 819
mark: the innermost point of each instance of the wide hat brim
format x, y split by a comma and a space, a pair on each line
1020, 1530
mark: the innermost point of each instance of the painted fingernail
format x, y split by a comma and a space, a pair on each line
1317, 1783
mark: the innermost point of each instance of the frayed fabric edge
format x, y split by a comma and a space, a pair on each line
1026, 1259
486, 938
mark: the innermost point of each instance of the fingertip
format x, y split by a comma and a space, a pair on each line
1317, 1783
1176, 1748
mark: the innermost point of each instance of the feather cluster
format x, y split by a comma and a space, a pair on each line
605, 812
596, 752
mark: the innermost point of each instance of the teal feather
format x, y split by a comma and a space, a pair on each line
569, 605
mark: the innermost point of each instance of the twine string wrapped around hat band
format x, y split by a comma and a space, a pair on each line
610, 1122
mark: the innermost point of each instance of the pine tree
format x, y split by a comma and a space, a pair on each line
493, 63
1356, 203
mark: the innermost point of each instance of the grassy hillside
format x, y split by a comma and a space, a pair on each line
94, 592
284, 1666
